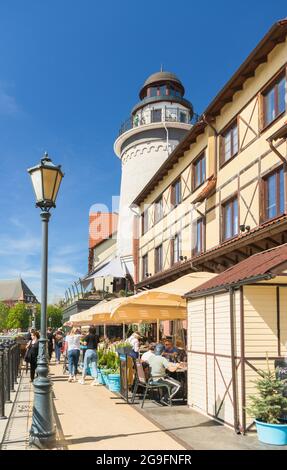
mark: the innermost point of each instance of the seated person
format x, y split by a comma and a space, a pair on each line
158, 367
170, 351
145, 357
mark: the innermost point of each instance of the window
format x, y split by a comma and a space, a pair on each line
158, 210
176, 193
274, 100
230, 218
158, 259
229, 146
199, 237
199, 171
144, 222
175, 249
273, 199
145, 266
182, 117
156, 115
152, 91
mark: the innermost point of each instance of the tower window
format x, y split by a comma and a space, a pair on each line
156, 115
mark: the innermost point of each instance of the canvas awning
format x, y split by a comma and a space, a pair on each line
161, 303
114, 267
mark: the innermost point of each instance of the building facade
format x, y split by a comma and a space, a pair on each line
221, 194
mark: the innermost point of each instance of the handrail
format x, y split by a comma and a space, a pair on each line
164, 114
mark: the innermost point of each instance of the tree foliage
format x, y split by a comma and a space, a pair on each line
18, 317
54, 313
4, 310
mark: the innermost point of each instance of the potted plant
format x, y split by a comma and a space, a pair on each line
114, 380
123, 348
268, 408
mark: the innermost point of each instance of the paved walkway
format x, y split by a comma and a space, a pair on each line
15, 435
96, 419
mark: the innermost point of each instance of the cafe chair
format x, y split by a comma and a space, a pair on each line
147, 383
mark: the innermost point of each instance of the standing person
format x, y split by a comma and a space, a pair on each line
32, 353
73, 347
90, 359
50, 338
134, 342
58, 342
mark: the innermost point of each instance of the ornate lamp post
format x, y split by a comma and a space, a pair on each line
46, 179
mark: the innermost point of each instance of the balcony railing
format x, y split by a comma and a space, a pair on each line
150, 116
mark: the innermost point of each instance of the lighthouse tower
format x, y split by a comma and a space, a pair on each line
157, 124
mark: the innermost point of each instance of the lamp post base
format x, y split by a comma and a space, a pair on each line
43, 429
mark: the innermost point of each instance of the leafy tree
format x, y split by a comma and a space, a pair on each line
4, 310
56, 314
18, 317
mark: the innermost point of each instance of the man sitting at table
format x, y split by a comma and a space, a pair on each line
146, 355
158, 367
170, 351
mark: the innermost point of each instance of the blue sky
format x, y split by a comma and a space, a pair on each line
70, 72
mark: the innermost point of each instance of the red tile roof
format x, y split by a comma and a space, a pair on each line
102, 225
257, 265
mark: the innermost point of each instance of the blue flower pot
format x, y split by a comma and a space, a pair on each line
105, 379
114, 382
275, 434
100, 377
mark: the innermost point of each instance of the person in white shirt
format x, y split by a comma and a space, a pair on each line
73, 347
147, 355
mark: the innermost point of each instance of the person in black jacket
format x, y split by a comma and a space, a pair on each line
32, 353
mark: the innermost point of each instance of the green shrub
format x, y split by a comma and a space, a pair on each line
269, 404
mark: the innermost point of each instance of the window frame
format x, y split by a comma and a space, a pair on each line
224, 205
223, 134
200, 158
157, 268
158, 218
195, 251
144, 218
144, 271
173, 261
273, 83
264, 193
173, 193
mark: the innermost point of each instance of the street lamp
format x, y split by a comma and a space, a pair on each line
46, 179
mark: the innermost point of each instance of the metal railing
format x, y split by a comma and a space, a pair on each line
165, 114
9, 371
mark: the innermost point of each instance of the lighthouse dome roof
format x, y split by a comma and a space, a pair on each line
161, 77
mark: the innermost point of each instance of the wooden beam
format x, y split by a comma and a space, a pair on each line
275, 242
256, 247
